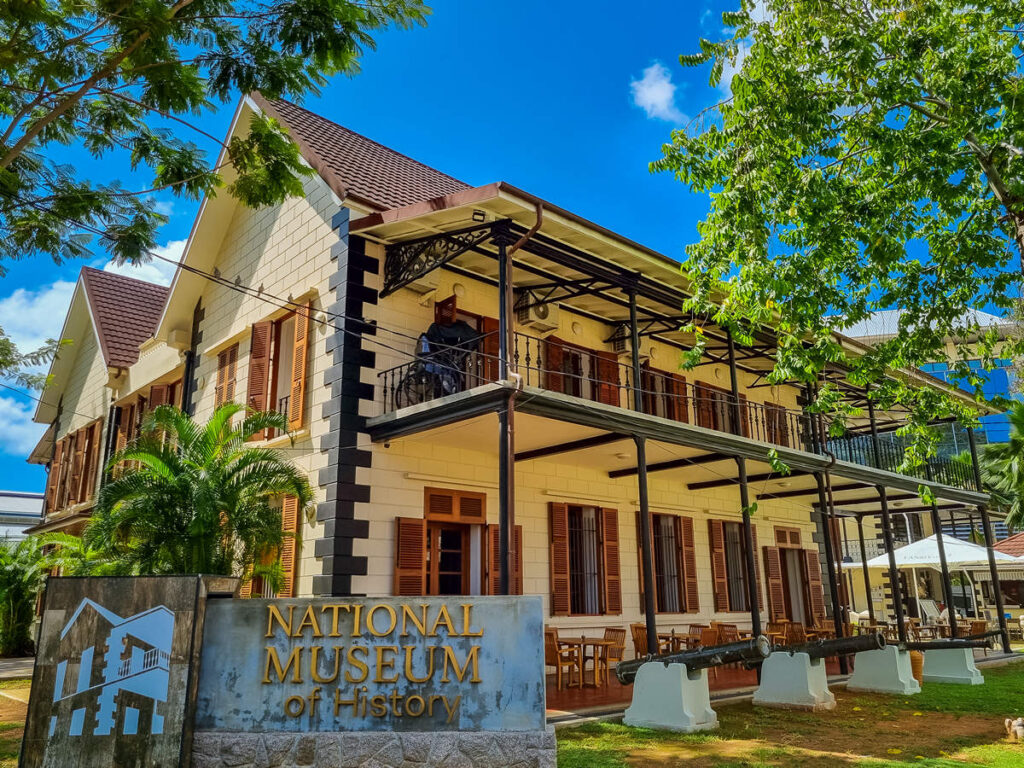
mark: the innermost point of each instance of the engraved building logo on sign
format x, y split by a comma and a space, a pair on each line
114, 672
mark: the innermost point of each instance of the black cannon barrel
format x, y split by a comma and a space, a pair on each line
840, 646
942, 645
755, 649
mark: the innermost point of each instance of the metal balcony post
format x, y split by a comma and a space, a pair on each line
830, 557
947, 582
865, 569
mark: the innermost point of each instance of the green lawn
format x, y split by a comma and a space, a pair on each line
943, 726
12, 721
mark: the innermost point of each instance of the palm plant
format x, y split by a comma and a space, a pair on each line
73, 557
197, 498
1002, 470
23, 569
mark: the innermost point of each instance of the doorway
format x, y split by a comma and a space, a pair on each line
448, 559
794, 584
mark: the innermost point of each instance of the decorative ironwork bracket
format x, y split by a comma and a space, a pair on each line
411, 260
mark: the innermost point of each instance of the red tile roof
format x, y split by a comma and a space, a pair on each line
355, 166
126, 312
1013, 545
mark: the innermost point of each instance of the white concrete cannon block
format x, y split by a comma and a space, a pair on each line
883, 671
794, 681
672, 698
951, 665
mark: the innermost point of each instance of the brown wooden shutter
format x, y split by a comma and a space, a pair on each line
815, 589
744, 415
93, 459
472, 507
227, 363
493, 585
446, 312
159, 394
297, 399
680, 553
63, 489
490, 348
127, 413
558, 527
677, 397
719, 574
776, 589
689, 572
410, 557
245, 591
77, 466
612, 575
256, 390
640, 558
53, 477
606, 369
704, 406
553, 355
757, 568
289, 545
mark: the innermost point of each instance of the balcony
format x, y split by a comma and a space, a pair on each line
600, 376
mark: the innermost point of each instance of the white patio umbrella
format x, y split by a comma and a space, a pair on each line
925, 553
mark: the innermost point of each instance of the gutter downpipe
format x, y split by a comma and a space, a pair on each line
506, 416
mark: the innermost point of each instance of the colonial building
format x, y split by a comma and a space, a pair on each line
486, 391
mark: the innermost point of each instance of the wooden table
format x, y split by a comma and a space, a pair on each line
600, 657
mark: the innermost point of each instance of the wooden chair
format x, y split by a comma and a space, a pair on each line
796, 634
728, 633
639, 633
613, 653
709, 637
978, 627
561, 659
776, 632
693, 635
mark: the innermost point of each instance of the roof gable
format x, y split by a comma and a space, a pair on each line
355, 166
125, 312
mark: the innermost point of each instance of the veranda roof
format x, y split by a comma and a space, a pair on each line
925, 553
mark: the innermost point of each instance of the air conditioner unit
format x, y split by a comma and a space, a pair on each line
623, 346
540, 317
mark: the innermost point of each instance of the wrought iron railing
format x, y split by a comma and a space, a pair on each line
603, 377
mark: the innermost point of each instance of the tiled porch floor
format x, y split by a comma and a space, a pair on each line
614, 695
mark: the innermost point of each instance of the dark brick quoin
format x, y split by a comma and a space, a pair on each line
349, 355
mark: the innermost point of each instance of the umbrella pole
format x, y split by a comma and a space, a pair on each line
867, 572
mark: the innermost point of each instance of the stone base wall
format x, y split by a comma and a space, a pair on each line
451, 749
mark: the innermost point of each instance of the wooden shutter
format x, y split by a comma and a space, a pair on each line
610, 547
640, 557
490, 348
159, 394
704, 406
776, 589
757, 568
92, 459
606, 378
679, 409
493, 585
689, 571
410, 557
63, 488
446, 312
812, 571
256, 390
719, 574
553, 356
558, 528
245, 591
127, 415
744, 414
289, 545
53, 476
227, 363
77, 466
297, 399
449, 505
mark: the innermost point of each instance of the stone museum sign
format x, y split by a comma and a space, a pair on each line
140, 672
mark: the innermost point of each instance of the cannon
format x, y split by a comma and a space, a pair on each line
752, 650
840, 646
794, 676
670, 690
951, 660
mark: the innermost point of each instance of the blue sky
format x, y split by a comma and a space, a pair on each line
569, 100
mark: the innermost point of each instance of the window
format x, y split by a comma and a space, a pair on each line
664, 394
669, 595
277, 366
714, 407
74, 468
227, 363
735, 566
584, 560
776, 421
580, 372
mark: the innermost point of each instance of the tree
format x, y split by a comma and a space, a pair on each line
127, 78
73, 557
1002, 470
196, 498
870, 156
15, 365
23, 570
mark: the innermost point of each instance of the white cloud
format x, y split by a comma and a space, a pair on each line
29, 317
655, 93
20, 434
155, 270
